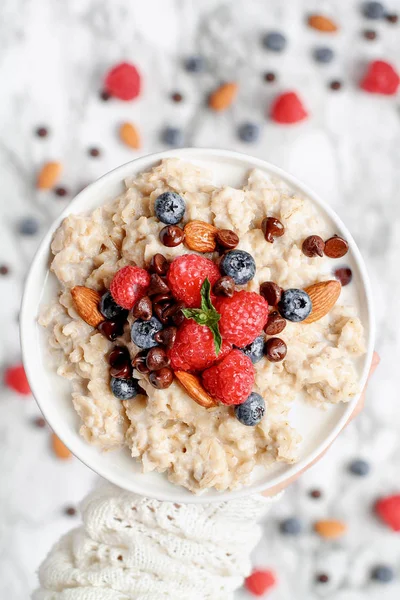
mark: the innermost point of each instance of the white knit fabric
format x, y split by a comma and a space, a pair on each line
135, 548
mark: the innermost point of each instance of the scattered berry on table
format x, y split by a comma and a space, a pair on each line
388, 509
392, 18
316, 494
335, 85
243, 317
275, 41
370, 34
269, 77
194, 348
360, 467
70, 511
291, 526
169, 208
323, 54
186, 275
254, 350
344, 275
142, 332
110, 309
105, 96
61, 192
275, 349
128, 285
123, 81
251, 411
322, 578
295, 305
172, 136
42, 132
260, 581
176, 97
4, 270
195, 64
249, 132
15, 379
373, 10
28, 226
382, 573
239, 265
380, 78
125, 389
39, 422
94, 152
231, 380
287, 109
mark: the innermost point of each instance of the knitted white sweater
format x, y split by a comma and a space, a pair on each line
135, 548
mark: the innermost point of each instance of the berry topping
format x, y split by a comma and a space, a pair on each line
110, 309
186, 275
295, 305
243, 317
123, 82
287, 109
142, 332
388, 509
249, 132
360, 467
231, 380
275, 41
239, 265
373, 10
125, 389
382, 573
272, 228
380, 78
169, 208
275, 349
260, 581
254, 350
291, 526
251, 411
323, 54
129, 284
15, 379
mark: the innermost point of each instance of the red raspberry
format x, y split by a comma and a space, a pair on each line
287, 108
260, 581
231, 380
243, 317
15, 378
380, 78
129, 284
123, 81
186, 275
193, 349
388, 509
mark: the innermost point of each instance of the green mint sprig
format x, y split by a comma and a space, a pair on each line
206, 315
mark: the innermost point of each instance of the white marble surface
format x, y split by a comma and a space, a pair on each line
52, 57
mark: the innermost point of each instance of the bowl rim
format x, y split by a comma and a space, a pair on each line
139, 164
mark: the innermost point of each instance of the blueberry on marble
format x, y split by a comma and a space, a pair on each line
251, 411
249, 132
195, 64
382, 573
291, 526
169, 208
359, 467
172, 136
275, 41
239, 265
28, 226
295, 305
143, 332
323, 54
110, 309
373, 10
254, 350
125, 389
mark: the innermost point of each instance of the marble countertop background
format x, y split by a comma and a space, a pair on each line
53, 56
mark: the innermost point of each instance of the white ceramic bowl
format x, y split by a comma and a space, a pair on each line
319, 428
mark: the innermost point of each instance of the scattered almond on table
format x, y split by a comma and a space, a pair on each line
322, 23
48, 175
223, 97
330, 529
60, 449
129, 135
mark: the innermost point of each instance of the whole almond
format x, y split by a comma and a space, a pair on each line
86, 303
48, 175
322, 23
323, 297
223, 96
129, 135
200, 236
60, 449
330, 529
192, 385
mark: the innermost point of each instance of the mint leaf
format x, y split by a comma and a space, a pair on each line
205, 293
213, 327
206, 315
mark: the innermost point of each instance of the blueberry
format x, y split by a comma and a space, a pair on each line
323, 54
249, 132
254, 350
382, 573
239, 265
373, 10
169, 208
275, 41
195, 64
295, 305
291, 526
252, 411
359, 467
172, 136
124, 389
142, 332
110, 309
28, 226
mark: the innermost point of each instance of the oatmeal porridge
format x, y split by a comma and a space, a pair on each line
211, 387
